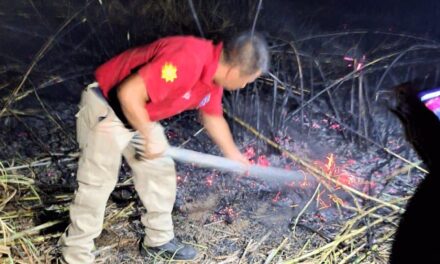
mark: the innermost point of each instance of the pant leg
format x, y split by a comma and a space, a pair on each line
99, 135
86, 216
155, 182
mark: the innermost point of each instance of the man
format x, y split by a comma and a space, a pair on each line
134, 91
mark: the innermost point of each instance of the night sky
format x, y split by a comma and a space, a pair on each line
408, 16
299, 17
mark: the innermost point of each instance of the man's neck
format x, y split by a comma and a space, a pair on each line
221, 70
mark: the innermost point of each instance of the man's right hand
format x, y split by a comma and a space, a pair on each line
153, 147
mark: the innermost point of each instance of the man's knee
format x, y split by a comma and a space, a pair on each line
93, 196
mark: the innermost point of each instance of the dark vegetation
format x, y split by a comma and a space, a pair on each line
322, 110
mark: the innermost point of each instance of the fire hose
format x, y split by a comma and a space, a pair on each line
270, 175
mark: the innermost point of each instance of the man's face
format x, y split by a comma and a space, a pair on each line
234, 80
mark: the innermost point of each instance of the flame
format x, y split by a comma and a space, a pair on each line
336, 199
304, 184
321, 203
263, 161
340, 173
330, 166
209, 181
277, 197
249, 152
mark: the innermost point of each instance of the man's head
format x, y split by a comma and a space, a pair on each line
243, 59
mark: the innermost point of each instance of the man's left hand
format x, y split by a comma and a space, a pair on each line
237, 156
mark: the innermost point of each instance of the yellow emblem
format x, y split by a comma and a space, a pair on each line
169, 72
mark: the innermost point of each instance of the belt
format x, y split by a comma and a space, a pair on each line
94, 87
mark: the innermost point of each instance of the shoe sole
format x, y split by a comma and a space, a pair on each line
162, 255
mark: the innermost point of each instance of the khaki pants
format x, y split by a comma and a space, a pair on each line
103, 140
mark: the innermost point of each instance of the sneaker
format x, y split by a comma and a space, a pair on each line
172, 250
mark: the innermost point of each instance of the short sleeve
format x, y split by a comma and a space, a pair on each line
214, 105
170, 72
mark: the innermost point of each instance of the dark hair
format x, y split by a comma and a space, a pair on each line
248, 51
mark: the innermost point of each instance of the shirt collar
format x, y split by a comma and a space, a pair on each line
210, 67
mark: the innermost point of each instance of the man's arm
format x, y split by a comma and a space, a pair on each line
132, 95
218, 130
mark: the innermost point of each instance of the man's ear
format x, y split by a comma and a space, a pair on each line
236, 70
229, 71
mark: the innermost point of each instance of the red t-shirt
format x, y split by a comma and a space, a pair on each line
177, 71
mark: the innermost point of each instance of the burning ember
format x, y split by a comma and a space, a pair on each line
260, 160
341, 174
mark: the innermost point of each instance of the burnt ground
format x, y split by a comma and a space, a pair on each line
229, 218
322, 110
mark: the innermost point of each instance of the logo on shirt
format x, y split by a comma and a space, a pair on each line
187, 95
169, 72
205, 100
